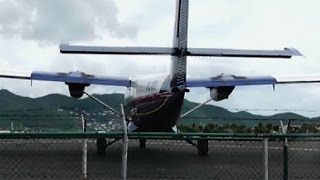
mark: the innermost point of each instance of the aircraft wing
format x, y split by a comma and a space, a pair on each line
71, 77
202, 52
232, 80
285, 53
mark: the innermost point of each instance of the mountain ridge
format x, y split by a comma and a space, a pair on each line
12, 104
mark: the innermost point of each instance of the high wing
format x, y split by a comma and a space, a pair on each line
232, 80
75, 77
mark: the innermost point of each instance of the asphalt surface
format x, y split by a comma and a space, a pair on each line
162, 159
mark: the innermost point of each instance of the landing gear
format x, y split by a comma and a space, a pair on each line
101, 146
142, 143
202, 145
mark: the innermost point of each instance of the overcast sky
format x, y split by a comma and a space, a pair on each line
31, 31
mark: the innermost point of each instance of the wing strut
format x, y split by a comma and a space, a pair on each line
103, 104
195, 108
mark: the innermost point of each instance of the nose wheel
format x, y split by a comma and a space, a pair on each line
202, 146
142, 143
101, 146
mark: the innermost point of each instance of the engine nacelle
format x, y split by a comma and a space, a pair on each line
220, 93
76, 89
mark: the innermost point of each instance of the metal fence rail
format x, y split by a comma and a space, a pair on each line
167, 156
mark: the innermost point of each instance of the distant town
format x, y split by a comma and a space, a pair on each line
57, 112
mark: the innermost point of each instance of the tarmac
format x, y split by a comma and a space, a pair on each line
162, 159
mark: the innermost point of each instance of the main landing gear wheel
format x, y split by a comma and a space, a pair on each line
202, 146
101, 146
142, 143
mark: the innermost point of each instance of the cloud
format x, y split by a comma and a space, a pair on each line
62, 21
219, 24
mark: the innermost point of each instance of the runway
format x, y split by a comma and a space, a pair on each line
162, 159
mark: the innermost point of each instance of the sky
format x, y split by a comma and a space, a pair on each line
31, 31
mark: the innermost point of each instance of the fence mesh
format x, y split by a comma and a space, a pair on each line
62, 158
304, 160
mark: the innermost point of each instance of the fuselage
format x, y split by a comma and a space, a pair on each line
151, 105
154, 102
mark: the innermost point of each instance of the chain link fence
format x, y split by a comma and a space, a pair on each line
64, 156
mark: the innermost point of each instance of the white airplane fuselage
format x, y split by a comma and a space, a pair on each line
154, 102
151, 105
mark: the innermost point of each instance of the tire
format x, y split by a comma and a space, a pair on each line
142, 143
203, 147
101, 146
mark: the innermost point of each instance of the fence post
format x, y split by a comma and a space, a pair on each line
266, 158
125, 147
85, 149
285, 159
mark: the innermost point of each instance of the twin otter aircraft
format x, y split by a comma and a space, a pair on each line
154, 102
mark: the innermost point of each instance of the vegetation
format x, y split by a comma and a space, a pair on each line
59, 112
259, 129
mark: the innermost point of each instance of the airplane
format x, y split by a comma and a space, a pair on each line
153, 103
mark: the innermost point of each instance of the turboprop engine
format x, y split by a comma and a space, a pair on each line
220, 93
76, 89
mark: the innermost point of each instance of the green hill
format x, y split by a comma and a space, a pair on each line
59, 112
51, 112
9, 101
218, 115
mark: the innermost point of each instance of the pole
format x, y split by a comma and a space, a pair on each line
84, 150
266, 160
125, 147
285, 159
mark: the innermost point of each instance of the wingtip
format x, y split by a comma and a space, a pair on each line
63, 46
293, 52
